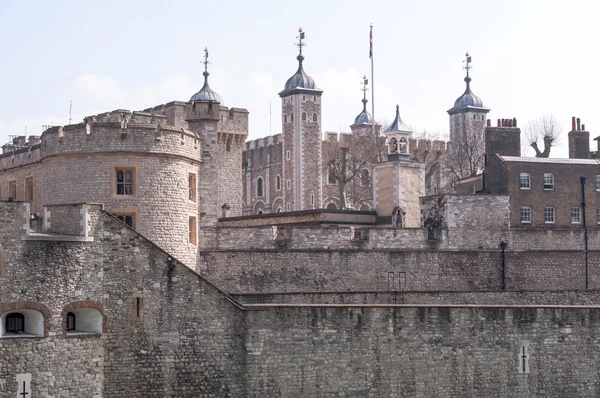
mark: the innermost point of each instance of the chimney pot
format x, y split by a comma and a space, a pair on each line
583, 127
509, 122
500, 125
514, 122
573, 123
578, 124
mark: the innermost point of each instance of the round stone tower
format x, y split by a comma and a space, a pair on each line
302, 154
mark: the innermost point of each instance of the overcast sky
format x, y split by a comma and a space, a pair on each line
529, 58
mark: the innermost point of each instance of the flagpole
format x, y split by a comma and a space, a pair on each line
372, 82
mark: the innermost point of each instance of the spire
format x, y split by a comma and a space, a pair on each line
206, 93
398, 124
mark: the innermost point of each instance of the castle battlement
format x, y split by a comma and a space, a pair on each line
121, 131
263, 142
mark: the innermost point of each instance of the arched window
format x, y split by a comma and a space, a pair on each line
70, 322
403, 146
260, 212
292, 117
303, 116
364, 208
25, 322
278, 183
331, 206
393, 146
314, 117
259, 187
15, 323
285, 118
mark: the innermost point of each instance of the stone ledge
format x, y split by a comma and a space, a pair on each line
56, 238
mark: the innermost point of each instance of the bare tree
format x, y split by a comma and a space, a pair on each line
349, 162
545, 128
466, 155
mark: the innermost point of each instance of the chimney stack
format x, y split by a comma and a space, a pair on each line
579, 140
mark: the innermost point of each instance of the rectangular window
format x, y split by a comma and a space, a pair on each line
29, 189
287, 206
12, 190
128, 215
1, 262
548, 182
331, 179
575, 215
525, 215
598, 216
124, 181
598, 183
549, 215
312, 200
525, 181
192, 230
138, 306
287, 155
192, 187
289, 184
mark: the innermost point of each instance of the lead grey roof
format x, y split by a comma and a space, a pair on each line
364, 117
300, 81
206, 93
468, 101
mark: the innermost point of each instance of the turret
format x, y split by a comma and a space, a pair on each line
302, 155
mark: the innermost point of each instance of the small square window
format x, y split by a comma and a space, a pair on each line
331, 180
127, 216
548, 182
525, 181
575, 215
525, 215
549, 215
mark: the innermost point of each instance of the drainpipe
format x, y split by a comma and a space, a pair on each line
585, 231
503, 245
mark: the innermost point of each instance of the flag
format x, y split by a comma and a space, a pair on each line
371, 43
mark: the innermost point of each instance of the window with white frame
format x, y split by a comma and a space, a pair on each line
525, 180
598, 183
549, 215
575, 215
548, 182
525, 215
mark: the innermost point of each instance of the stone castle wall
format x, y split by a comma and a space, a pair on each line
190, 339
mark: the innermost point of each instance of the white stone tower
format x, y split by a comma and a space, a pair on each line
302, 154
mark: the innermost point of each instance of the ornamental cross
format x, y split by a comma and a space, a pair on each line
300, 37
467, 62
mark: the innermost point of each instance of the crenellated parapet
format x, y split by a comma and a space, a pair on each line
19, 158
122, 131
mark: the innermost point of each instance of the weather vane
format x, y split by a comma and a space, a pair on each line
300, 37
364, 84
467, 62
205, 59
